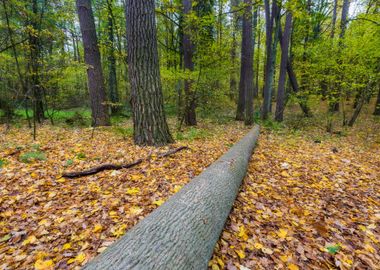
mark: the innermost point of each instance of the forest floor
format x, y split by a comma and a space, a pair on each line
49, 222
310, 199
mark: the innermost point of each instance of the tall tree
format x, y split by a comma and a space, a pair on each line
190, 98
269, 21
112, 78
149, 121
92, 59
280, 104
234, 45
333, 19
248, 43
35, 53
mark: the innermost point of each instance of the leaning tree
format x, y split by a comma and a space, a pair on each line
150, 127
92, 58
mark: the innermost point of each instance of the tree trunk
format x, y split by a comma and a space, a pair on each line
112, 79
150, 127
92, 59
190, 98
258, 33
343, 21
233, 54
248, 43
34, 45
377, 105
182, 233
333, 19
269, 19
280, 104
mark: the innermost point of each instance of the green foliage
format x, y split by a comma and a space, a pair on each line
32, 156
80, 156
191, 134
69, 162
122, 131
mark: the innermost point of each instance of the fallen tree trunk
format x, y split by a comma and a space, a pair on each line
182, 233
105, 167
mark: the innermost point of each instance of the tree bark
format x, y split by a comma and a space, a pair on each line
249, 44
182, 233
149, 121
35, 48
190, 98
112, 79
269, 20
280, 104
377, 105
333, 19
234, 45
92, 59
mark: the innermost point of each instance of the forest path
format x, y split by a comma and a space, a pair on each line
306, 205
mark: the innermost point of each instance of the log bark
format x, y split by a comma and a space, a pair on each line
182, 233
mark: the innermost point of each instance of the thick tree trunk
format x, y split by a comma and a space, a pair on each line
182, 233
112, 79
150, 127
190, 97
92, 59
269, 20
249, 45
280, 104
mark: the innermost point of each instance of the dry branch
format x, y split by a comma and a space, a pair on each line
105, 167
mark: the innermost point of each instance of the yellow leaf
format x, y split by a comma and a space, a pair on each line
30, 240
242, 234
43, 222
43, 265
363, 228
61, 180
66, 246
136, 177
158, 202
292, 266
113, 213
80, 258
34, 175
284, 258
282, 233
177, 188
132, 191
369, 248
215, 267
220, 262
134, 210
258, 246
241, 253
97, 228
285, 174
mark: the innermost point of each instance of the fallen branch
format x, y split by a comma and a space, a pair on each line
105, 167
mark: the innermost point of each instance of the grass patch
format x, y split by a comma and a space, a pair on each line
32, 156
192, 133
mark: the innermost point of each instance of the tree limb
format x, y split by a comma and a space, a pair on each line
105, 167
